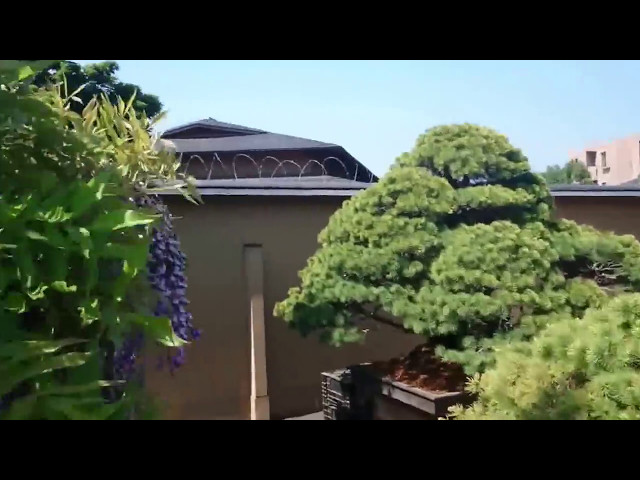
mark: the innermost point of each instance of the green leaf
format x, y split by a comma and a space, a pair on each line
119, 219
56, 215
82, 409
15, 302
48, 181
82, 237
26, 267
21, 409
90, 371
35, 235
25, 72
24, 408
12, 70
38, 292
157, 328
10, 326
52, 236
122, 283
89, 311
15, 375
88, 195
18, 351
56, 265
131, 100
136, 255
92, 273
61, 286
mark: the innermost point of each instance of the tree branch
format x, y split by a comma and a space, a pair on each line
390, 323
380, 317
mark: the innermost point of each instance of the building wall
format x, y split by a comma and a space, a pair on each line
622, 160
617, 214
215, 381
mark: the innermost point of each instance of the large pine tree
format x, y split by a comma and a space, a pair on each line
458, 243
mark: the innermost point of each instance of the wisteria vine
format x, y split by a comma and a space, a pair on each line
166, 274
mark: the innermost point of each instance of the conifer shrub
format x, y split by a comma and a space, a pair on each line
573, 369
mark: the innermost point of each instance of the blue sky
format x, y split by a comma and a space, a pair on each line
376, 109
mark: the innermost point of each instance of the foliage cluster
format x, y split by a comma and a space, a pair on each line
574, 369
97, 80
73, 249
571, 172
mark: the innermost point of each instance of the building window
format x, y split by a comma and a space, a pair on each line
603, 159
591, 159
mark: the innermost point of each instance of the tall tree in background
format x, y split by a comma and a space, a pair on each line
98, 78
572, 172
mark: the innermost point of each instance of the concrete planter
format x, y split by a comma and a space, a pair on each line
360, 393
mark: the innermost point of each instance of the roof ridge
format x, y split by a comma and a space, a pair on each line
213, 123
286, 141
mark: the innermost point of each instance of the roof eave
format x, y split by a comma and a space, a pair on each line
242, 150
595, 193
349, 192
270, 192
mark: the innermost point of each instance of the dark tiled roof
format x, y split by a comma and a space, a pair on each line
256, 142
231, 138
215, 124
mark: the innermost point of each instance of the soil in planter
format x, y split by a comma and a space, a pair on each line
421, 368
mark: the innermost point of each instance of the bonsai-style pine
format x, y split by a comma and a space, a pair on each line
457, 243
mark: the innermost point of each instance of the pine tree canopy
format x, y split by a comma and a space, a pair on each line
457, 243
574, 369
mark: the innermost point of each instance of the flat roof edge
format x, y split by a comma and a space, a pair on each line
273, 192
348, 192
595, 193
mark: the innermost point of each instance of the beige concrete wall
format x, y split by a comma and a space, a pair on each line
617, 214
215, 382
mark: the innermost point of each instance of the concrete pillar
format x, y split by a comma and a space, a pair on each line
253, 264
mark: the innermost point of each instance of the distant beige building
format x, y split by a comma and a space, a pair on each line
612, 163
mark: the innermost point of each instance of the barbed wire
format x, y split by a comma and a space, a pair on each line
216, 168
